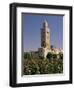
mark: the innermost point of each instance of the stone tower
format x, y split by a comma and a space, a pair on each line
45, 35
45, 42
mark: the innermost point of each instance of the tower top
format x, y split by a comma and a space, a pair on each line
45, 23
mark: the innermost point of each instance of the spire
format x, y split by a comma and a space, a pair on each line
45, 23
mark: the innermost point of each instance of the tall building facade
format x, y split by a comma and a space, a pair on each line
45, 35
45, 39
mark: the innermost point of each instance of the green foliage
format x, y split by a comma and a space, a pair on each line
54, 56
37, 65
61, 55
41, 57
27, 56
49, 56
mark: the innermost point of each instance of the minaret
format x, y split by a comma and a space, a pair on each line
45, 36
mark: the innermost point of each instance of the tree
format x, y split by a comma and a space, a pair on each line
49, 56
61, 55
27, 56
54, 56
52, 47
41, 57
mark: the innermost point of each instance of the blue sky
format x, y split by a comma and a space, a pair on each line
32, 24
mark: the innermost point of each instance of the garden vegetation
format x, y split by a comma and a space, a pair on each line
35, 64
